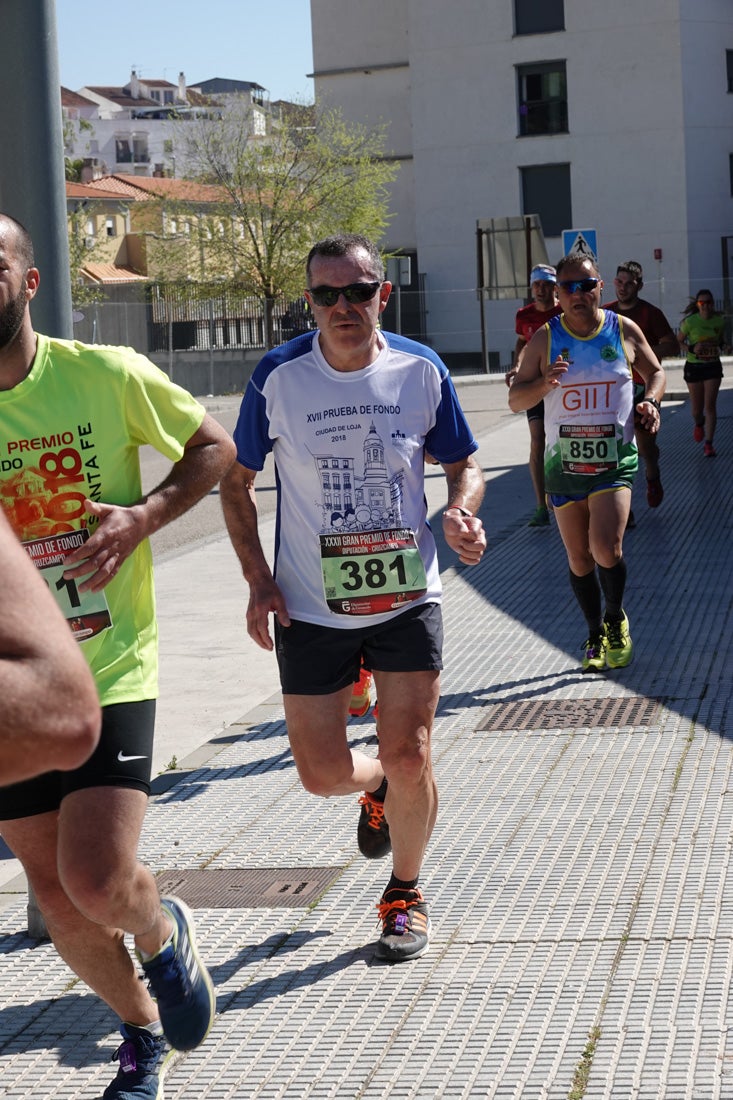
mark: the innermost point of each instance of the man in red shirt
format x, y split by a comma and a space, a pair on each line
529, 318
661, 337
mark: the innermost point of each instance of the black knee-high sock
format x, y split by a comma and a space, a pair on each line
588, 594
613, 583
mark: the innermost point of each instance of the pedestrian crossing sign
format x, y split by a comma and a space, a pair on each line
580, 242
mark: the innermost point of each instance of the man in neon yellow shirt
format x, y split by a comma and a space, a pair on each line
72, 420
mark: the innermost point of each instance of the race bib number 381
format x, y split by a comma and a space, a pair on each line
370, 572
87, 613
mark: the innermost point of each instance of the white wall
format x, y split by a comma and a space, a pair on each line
650, 131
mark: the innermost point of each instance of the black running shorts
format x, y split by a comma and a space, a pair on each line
320, 660
703, 372
123, 758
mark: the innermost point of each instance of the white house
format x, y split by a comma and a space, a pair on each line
611, 116
132, 128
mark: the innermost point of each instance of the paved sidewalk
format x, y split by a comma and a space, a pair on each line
579, 875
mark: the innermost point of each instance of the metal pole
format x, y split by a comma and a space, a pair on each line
32, 182
528, 245
481, 295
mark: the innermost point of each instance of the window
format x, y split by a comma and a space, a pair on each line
123, 153
109, 227
546, 191
538, 16
729, 68
543, 98
140, 149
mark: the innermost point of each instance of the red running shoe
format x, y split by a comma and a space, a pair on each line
698, 433
709, 451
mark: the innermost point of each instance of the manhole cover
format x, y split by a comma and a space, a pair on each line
634, 710
249, 888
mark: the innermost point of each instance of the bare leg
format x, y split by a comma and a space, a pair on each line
573, 522
327, 766
317, 734
537, 460
697, 401
608, 513
710, 398
649, 452
48, 845
407, 704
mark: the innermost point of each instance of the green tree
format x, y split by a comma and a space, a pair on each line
82, 249
313, 174
73, 132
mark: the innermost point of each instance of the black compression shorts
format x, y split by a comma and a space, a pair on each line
123, 758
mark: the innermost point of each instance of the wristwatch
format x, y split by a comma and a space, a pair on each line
653, 401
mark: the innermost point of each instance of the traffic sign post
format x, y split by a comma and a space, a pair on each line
580, 242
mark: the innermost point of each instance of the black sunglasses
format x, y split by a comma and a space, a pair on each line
570, 286
354, 292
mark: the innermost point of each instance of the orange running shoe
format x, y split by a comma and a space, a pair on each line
405, 926
372, 831
360, 697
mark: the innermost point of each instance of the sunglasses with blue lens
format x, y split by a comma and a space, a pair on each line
571, 286
353, 293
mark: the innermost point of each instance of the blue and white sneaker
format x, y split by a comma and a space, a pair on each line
180, 982
143, 1061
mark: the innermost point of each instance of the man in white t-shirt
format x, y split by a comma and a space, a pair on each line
349, 412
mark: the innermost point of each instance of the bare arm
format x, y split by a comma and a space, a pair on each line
238, 502
518, 347
464, 534
667, 348
647, 365
535, 377
50, 715
207, 455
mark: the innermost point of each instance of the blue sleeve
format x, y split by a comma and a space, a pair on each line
251, 433
450, 439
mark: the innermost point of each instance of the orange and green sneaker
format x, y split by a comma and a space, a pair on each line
594, 652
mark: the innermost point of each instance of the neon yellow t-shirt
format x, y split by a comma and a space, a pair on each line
72, 429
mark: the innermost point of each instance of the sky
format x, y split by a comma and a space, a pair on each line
266, 43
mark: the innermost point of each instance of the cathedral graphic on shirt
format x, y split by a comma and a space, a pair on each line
352, 502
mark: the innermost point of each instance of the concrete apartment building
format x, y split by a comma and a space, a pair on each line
616, 117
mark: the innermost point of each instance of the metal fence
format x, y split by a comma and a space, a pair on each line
182, 321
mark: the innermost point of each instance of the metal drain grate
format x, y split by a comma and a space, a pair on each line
634, 710
249, 888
